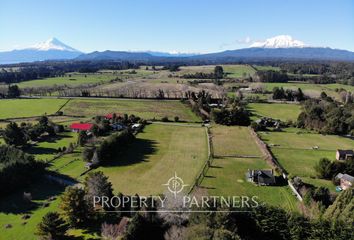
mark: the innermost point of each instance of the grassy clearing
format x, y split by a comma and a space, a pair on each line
227, 175
158, 153
47, 149
293, 149
280, 111
71, 164
238, 71
13, 207
147, 109
70, 79
266, 68
16, 108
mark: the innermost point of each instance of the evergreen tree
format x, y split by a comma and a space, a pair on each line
52, 227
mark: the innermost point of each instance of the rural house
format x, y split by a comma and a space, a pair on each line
77, 127
261, 177
110, 116
344, 154
346, 181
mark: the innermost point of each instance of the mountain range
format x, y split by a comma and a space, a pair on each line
279, 47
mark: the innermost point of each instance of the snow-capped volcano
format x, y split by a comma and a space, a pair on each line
52, 49
52, 44
281, 41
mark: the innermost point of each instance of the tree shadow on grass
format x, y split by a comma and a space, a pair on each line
137, 152
40, 190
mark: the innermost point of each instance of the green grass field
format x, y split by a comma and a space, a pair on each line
158, 153
293, 149
13, 207
279, 111
226, 177
16, 108
147, 109
46, 150
265, 68
70, 164
70, 79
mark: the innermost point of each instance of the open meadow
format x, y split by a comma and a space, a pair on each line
146, 109
70, 79
17, 108
156, 155
227, 175
281, 111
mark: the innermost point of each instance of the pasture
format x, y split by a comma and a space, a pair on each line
279, 111
48, 148
147, 109
18, 108
227, 175
70, 79
296, 150
157, 154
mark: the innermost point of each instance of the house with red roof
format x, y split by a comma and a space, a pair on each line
77, 127
109, 116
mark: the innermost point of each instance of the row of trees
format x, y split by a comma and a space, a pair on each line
288, 94
271, 76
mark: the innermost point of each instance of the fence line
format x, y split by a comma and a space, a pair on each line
198, 180
269, 157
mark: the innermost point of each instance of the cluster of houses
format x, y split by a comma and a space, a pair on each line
77, 127
266, 177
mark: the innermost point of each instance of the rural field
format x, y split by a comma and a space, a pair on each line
18, 108
227, 175
294, 150
158, 152
312, 90
70, 79
281, 111
47, 149
147, 109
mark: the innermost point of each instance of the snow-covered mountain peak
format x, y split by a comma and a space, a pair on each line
281, 41
52, 44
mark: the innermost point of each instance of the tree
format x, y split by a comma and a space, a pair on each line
52, 226
323, 168
82, 138
13, 135
74, 207
97, 184
218, 72
13, 91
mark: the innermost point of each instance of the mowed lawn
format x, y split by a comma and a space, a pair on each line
294, 149
227, 175
70, 79
71, 164
279, 111
16, 108
147, 109
158, 153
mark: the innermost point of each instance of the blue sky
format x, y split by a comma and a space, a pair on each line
171, 25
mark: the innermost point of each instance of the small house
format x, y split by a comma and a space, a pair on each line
346, 181
261, 177
77, 127
344, 154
